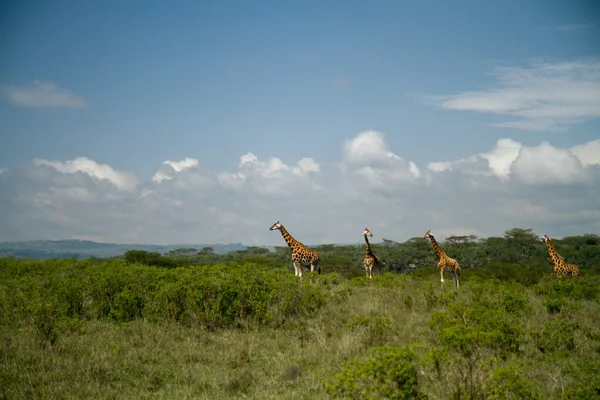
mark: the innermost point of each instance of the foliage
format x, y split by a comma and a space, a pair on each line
214, 296
196, 324
383, 373
149, 258
587, 386
509, 382
517, 255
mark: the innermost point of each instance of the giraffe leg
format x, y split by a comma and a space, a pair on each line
442, 276
456, 280
297, 269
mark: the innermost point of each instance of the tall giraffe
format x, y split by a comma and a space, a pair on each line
301, 256
444, 262
370, 259
561, 267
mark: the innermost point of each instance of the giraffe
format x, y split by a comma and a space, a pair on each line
301, 256
370, 258
444, 262
561, 267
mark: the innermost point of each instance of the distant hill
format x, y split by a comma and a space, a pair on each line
84, 248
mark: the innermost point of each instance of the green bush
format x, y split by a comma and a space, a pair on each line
215, 296
580, 288
508, 383
436, 297
515, 303
46, 322
526, 274
483, 323
557, 335
586, 385
382, 373
505, 334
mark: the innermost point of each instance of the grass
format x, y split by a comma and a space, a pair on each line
457, 341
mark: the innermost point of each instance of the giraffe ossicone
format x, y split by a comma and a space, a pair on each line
301, 255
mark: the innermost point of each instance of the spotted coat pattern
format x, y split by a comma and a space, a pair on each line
371, 260
444, 261
561, 267
301, 256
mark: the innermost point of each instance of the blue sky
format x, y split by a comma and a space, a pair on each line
133, 84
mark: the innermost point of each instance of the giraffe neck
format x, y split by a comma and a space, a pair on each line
552, 251
368, 246
439, 253
291, 242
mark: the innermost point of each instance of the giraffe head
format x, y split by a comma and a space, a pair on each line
367, 232
544, 239
428, 234
275, 226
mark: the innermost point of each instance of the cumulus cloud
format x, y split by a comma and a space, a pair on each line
550, 189
121, 180
545, 164
366, 158
534, 165
170, 168
272, 176
39, 94
502, 157
588, 153
543, 97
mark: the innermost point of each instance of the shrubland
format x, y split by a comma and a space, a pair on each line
193, 324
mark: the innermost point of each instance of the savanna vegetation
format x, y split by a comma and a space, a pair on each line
192, 324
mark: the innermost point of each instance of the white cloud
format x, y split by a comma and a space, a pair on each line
170, 168
309, 165
366, 158
272, 176
536, 165
367, 147
121, 180
440, 166
182, 165
503, 156
542, 97
588, 153
545, 164
550, 189
40, 94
